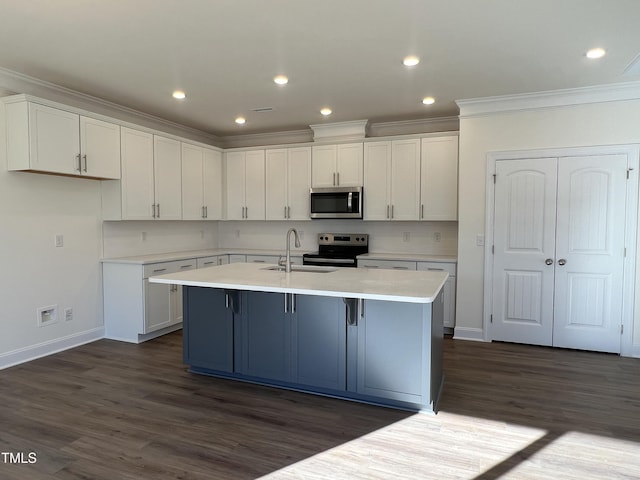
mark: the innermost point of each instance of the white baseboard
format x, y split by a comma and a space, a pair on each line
466, 333
27, 354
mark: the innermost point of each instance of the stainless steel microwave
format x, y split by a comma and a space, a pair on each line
336, 202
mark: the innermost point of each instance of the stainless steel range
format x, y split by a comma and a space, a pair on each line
338, 249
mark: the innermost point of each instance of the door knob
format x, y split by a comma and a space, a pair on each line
549, 261
562, 261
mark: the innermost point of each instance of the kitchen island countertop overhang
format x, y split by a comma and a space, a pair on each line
366, 284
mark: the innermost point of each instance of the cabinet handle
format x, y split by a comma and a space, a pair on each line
401, 268
293, 303
153, 210
258, 261
206, 211
186, 266
286, 303
338, 176
391, 211
334, 179
158, 207
208, 263
361, 307
285, 212
387, 211
85, 162
422, 210
288, 212
436, 269
202, 212
371, 266
159, 270
226, 300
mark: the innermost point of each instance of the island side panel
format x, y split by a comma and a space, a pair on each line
436, 311
391, 351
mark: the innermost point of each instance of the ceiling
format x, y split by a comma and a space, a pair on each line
345, 54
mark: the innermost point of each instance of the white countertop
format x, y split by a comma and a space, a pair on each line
368, 284
409, 257
183, 255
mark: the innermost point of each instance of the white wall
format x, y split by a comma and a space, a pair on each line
34, 273
384, 236
608, 123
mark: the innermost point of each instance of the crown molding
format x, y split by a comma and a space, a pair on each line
614, 92
273, 138
338, 131
11, 81
417, 126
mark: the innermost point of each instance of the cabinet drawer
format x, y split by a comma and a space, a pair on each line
270, 259
387, 264
212, 261
169, 267
447, 267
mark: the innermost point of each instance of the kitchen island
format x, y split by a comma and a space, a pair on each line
366, 335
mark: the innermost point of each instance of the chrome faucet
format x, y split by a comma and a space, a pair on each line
287, 265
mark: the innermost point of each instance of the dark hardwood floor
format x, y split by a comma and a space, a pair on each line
111, 410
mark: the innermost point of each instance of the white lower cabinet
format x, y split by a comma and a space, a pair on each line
212, 261
449, 291
136, 310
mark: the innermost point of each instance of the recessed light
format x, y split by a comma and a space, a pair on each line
241, 120
596, 53
410, 61
326, 111
428, 100
179, 95
281, 79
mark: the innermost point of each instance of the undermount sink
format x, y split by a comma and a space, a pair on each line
300, 268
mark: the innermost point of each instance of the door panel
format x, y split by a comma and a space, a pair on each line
590, 241
524, 238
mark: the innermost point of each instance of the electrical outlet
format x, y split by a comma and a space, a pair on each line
238, 233
436, 236
480, 240
144, 236
68, 314
59, 240
406, 236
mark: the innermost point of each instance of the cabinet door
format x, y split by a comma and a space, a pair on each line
167, 178
320, 342
254, 185
266, 336
392, 341
176, 292
100, 148
54, 140
299, 183
157, 306
377, 171
323, 166
349, 165
235, 183
212, 184
405, 180
207, 329
276, 184
192, 182
137, 174
449, 292
439, 178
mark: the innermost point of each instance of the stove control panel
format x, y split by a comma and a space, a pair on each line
359, 239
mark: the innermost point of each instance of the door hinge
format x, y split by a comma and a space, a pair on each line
625, 252
621, 329
493, 249
491, 318
629, 170
494, 177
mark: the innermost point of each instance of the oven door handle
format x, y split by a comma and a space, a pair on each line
337, 261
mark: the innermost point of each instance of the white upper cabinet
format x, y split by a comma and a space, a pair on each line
151, 185
201, 183
337, 165
288, 180
439, 178
245, 185
392, 180
46, 139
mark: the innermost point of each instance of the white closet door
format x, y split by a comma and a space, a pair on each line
590, 252
524, 242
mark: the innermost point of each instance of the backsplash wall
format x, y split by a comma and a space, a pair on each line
383, 236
